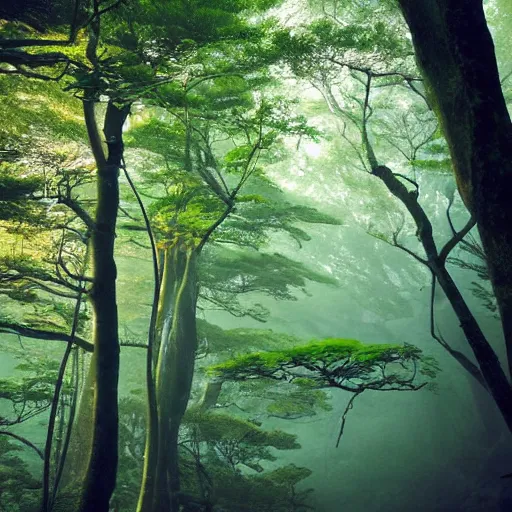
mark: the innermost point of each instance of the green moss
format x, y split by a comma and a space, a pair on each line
328, 350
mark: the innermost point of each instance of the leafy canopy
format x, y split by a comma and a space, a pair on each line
343, 363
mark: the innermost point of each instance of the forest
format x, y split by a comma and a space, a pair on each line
255, 256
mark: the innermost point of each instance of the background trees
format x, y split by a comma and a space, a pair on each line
239, 165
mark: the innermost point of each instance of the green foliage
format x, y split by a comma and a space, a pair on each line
347, 364
30, 18
163, 138
167, 37
18, 189
325, 44
213, 448
186, 213
32, 393
300, 403
303, 400
15, 187
35, 107
272, 491
174, 22
31, 281
19, 490
242, 339
256, 220
440, 165
233, 442
227, 274
472, 257
236, 440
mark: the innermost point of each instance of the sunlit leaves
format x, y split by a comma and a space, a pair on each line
163, 138
256, 220
35, 107
236, 272
324, 45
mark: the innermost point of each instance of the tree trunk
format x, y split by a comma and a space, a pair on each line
488, 361
211, 395
100, 477
455, 53
177, 334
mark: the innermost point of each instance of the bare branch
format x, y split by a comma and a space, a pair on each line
23, 440
40, 334
445, 251
349, 406
81, 213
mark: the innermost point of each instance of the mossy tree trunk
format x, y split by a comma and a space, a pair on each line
176, 333
100, 477
455, 53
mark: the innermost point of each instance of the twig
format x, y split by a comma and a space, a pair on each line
349, 406
23, 440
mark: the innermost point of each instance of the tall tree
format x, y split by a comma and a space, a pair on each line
455, 53
201, 196
89, 83
378, 55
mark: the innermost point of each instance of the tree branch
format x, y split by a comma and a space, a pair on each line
41, 334
23, 440
445, 251
349, 406
80, 212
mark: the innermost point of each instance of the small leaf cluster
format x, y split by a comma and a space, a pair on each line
32, 393
19, 490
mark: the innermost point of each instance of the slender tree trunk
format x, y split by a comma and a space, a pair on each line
211, 395
146, 495
455, 53
61, 463
488, 361
101, 472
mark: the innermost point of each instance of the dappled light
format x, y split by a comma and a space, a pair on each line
255, 256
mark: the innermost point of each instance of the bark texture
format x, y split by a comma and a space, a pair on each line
177, 341
101, 472
455, 53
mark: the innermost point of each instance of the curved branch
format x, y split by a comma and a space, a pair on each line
82, 214
445, 251
23, 440
40, 334
376, 74
55, 405
463, 360
349, 406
